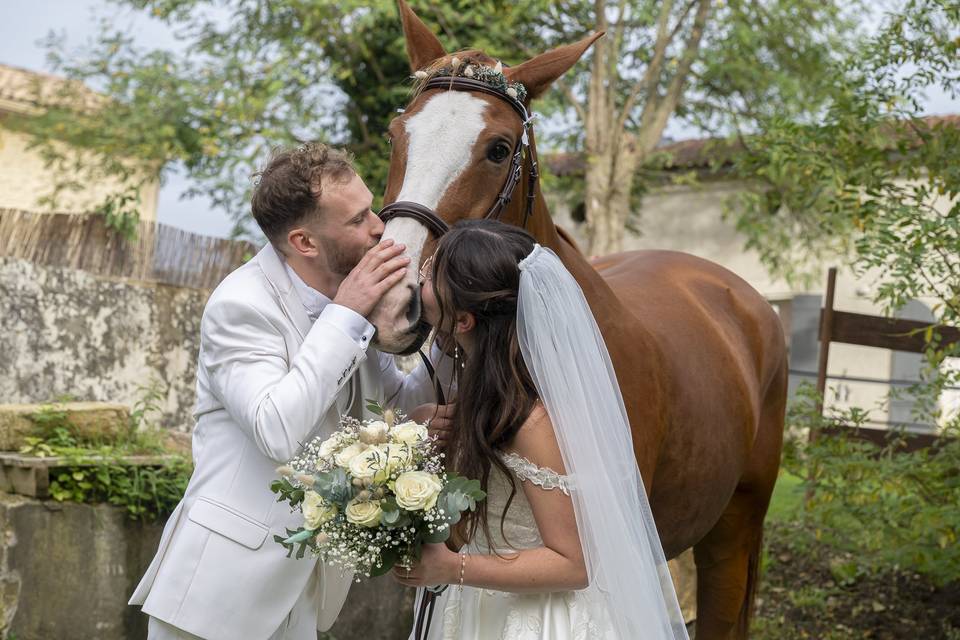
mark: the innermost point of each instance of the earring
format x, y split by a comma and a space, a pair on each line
456, 357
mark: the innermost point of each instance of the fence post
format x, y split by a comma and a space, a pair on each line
826, 333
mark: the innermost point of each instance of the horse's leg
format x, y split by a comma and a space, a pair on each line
728, 558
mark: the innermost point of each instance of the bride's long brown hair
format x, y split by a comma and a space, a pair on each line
476, 269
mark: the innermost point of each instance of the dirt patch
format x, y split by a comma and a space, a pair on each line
811, 591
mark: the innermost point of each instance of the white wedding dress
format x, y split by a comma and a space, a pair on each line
631, 595
484, 614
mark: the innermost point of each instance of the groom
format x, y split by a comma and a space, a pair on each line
284, 352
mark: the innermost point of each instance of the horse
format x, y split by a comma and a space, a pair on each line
699, 354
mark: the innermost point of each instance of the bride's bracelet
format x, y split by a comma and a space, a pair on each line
463, 566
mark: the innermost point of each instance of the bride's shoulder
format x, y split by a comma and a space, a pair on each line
536, 441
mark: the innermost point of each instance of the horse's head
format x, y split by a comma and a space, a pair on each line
458, 152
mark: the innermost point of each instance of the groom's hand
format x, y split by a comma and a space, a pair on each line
439, 420
375, 274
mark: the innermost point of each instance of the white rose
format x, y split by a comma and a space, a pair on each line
417, 490
329, 446
370, 465
344, 457
363, 512
409, 432
398, 456
316, 510
374, 433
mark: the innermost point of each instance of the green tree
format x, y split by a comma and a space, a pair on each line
253, 75
269, 73
723, 66
872, 183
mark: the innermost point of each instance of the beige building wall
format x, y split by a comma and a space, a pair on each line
24, 181
24, 178
690, 219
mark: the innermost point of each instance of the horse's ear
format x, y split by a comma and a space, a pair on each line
537, 74
423, 47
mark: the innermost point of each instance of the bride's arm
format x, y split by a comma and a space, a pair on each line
556, 566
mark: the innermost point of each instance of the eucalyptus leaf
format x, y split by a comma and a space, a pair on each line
333, 486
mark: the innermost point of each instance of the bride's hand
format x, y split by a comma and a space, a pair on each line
438, 565
439, 420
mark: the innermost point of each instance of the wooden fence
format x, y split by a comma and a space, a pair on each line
158, 253
873, 331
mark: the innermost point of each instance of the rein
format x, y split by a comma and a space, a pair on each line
428, 217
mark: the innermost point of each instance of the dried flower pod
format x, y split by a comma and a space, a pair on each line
498, 68
468, 72
305, 479
420, 75
512, 92
455, 63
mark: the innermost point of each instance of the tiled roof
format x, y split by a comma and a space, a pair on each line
24, 91
701, 153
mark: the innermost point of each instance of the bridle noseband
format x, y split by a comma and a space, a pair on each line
429, 218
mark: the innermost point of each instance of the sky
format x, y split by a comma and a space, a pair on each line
24, 24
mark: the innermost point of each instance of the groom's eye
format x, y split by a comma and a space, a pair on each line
498, 152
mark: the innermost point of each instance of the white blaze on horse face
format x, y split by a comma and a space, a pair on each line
440, 140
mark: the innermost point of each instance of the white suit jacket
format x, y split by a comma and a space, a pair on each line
268, 380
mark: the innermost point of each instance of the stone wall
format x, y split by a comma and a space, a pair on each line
65, 332
67, 571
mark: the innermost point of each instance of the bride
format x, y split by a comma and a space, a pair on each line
564, 547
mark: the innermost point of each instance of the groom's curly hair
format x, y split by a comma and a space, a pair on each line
476, 269
287, 191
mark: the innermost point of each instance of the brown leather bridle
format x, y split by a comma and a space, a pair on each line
429, 218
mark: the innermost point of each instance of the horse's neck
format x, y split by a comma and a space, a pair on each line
604, 303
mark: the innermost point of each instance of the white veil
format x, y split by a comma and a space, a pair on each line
570, 366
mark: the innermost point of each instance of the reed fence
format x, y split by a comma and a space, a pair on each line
157, 253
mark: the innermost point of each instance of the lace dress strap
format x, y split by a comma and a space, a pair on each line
543, 477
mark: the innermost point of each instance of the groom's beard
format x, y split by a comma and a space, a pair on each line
342, 261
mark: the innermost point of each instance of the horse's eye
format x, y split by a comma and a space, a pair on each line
498, 152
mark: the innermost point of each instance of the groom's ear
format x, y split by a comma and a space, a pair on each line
465, 322
301, 243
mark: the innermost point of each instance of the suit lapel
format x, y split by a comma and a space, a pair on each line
276, 273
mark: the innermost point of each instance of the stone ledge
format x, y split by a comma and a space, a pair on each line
87, 421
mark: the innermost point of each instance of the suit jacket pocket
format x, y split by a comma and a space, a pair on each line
229, 523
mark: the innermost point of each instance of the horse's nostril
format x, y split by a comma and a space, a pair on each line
413, 309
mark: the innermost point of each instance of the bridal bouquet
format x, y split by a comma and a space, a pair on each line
372, 494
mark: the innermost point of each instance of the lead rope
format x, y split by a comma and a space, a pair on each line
426, 598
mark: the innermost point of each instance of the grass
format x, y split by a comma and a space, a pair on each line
787, 500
